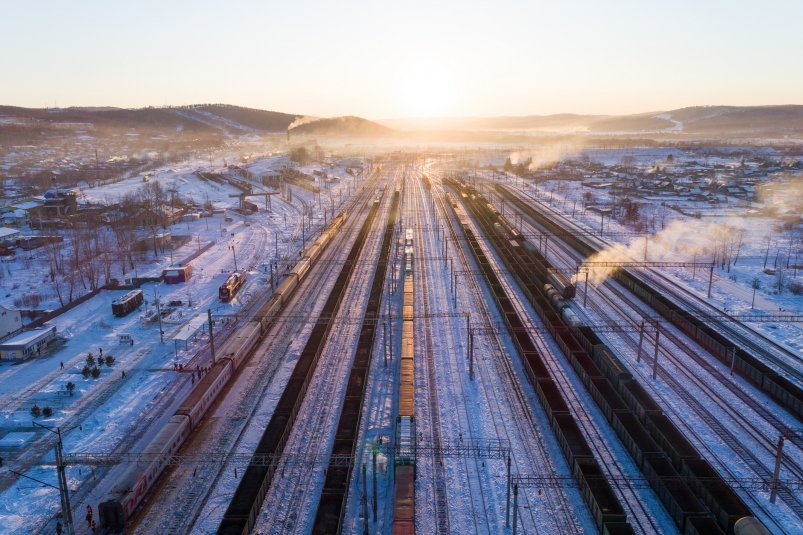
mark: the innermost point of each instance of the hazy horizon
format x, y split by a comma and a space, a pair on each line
418, 60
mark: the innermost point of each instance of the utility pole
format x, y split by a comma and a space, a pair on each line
507, 501
655, 355
778, 457
585, 290
471, 354
211, 335
159, 316
364, 500
374, 477
64, 491
640, 341
710, 279
234, 254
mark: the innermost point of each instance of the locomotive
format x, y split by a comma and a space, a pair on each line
231, 286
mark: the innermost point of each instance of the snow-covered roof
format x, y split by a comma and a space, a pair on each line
27, 337
193, 326
27, 205
6, 232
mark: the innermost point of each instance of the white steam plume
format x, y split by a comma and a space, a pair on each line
680, 241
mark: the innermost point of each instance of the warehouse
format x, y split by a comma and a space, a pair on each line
27, 344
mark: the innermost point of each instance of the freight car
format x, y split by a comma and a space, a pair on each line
694, 495
231, 286
125, 304
404, 487
132, 486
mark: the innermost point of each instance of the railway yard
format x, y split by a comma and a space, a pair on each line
430, 350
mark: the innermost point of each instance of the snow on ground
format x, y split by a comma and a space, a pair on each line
116, 411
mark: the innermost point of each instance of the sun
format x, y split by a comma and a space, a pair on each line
427, 91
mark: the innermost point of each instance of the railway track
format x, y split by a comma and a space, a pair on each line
528, 443
243, 510
232, 433
329, 516
602, 501
615, 463
710, 383
432, 417
636, 424
681, 377
454, 376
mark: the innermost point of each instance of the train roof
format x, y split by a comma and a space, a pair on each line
127, 296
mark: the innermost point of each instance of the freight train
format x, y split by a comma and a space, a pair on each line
130, 301
693, 493
780, 388
116, 508
231, 286
404, 467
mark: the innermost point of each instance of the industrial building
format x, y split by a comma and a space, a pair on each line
27, 344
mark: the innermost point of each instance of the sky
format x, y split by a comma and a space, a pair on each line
383, 60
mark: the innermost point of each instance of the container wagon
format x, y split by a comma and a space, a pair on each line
130, 301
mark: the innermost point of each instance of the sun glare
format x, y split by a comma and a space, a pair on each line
427, 91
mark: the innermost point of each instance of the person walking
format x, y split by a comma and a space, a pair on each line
58, 528
94, 527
